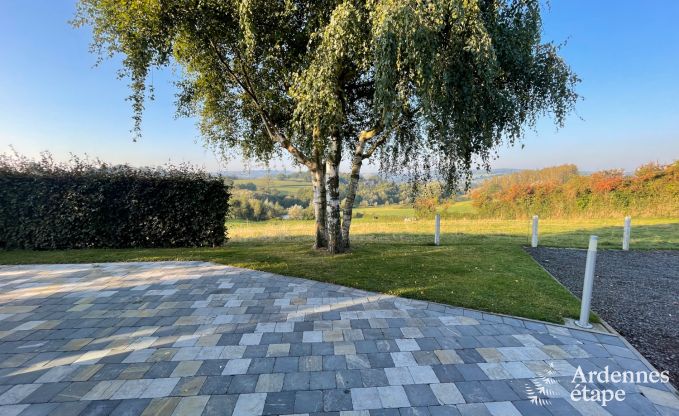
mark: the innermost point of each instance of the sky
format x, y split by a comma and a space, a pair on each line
52, 97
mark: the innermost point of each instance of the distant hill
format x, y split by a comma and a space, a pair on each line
477, 176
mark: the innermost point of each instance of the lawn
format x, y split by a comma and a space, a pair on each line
481, 263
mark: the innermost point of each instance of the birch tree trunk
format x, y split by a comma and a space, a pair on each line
318, 184
319, 201
333, 196
356, 163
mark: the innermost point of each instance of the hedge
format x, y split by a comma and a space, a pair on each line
82, 204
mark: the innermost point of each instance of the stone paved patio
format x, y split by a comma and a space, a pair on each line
197, 338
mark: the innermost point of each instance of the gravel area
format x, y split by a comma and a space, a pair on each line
636, 292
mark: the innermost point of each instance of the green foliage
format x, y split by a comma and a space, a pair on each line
297, 212
249, 186
247, 205
437, 83
83, 204
653, 191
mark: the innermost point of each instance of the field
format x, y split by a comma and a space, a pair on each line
398, 224
286, 186
480, 264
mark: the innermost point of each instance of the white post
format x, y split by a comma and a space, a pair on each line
626, 233
589, 281
437, 230
534, 238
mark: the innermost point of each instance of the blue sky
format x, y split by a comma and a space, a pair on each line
626, 52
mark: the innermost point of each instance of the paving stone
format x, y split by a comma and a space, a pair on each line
261, 365
162, 407
215, 385
393, 396
133, 407
279, 403
380, 360
219, 405
248, 342
473, 409
308, 401
423, 375
499, 390
325, 380
41, 409
296, 381
471, 372
269, 383
160, 387
357, 362
420, 395
190, 406
103, 390
336, 400
131, 389
101, 407
398, 376
443, 411
69, 409
347, 379
74, 391
45, 393
334, 362
188, 386
237, 366
374, 378
311, 363
243, 383
286, 365
403, 359
365, 398
473, 392
17, 393
447, 373
447, 393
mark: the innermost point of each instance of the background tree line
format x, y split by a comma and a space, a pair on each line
652, 191
258, 200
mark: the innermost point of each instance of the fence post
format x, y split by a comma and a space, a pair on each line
437, 230
589, 281
534, 237
626, 233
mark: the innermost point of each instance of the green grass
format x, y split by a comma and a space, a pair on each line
474, 272
401, 212
287, 186
481, 264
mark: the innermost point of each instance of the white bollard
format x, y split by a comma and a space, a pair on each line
437, 230
626, 233
587, 285
534, 238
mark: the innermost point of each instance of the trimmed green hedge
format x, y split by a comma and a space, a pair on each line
44, 205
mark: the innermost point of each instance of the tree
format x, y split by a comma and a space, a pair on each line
424, 87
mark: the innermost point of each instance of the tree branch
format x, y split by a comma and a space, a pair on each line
273, 132
368, 153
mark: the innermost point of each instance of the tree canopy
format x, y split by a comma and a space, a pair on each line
427, 86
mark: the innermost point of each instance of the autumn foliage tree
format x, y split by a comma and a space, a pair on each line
422, 86
652, 191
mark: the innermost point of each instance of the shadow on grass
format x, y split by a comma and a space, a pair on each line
485, 271
478, 272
